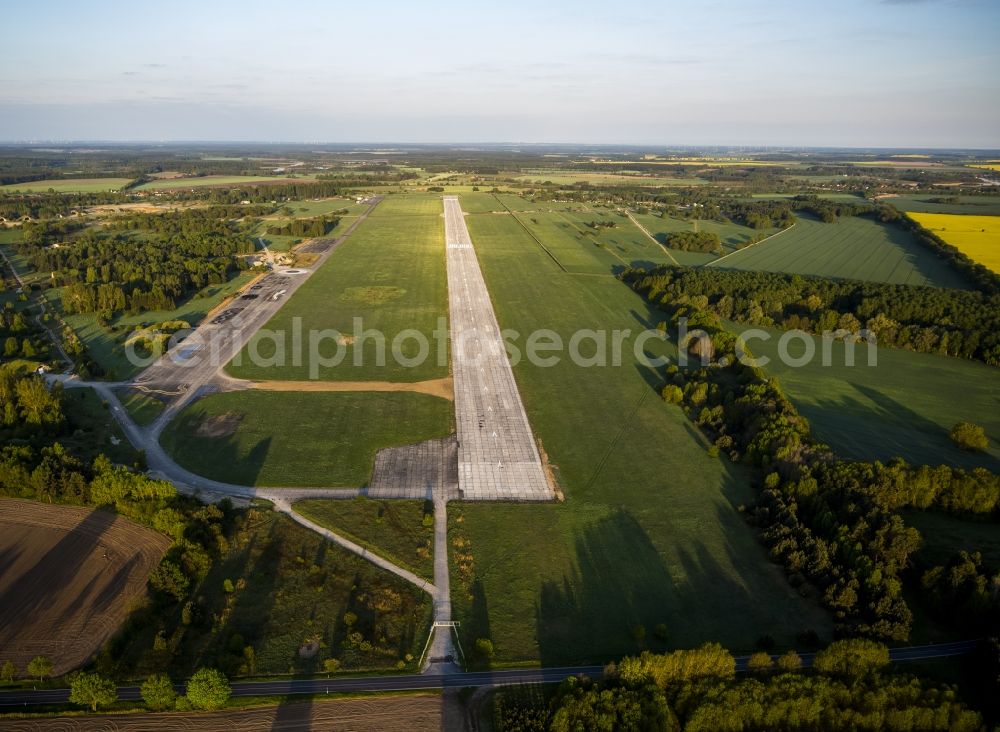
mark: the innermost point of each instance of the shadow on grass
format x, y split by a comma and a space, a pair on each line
218, 458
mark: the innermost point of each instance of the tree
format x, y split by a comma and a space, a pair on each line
969, 436
92, 690
853, 658
789, 661
484, 648
40, 666
208, 689
158, 693
8, 671
759, 663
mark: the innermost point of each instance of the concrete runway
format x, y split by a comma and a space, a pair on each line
497, 456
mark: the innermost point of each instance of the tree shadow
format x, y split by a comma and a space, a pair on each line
219, 458
293, 715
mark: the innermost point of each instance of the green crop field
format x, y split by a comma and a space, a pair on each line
568, 178
904, 406
319, 439
852, 248
391, 273
106, 347
69, 185
924, 203
400, 531
168, 184
582, 250
649, 532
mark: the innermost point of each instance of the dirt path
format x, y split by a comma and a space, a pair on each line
444, 388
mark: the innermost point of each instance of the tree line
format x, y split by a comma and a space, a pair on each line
834, 524
849, 686
314, 227
962, 323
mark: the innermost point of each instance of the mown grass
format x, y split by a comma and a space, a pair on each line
731, 235
400, 531
69, 185
978, 237
904, 406
411, 204
854, 247
402, 253
649, 532
301, 438
142, 408
289, 586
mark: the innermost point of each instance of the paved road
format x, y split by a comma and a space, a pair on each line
444, 681
497, 455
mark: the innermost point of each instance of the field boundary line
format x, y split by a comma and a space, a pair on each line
645, 231
532, 235
751, 246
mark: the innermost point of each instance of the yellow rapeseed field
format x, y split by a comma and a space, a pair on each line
987, 166
976, 236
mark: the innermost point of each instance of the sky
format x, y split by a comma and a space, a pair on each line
851, 73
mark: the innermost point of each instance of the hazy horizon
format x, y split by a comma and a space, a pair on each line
863, 74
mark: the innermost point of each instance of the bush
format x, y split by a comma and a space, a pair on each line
789, 661
208, 689
969, 436
853, 658
759, 663
158, 693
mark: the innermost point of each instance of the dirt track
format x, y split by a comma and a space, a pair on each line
371, 714
68, 576
444, 388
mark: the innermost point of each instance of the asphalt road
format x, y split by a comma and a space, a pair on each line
412, 682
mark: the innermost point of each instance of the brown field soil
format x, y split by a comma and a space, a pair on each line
221, 425
367, 714
444, 388
68, 578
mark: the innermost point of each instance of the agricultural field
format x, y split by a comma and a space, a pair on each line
904, 406
401, 531
68, 185
106, 345
293, 598
937, 203
568, 178
411, 204
169, 184
978, 237
649, 532
70, 577
852, 248
300, 439
425, 712
390, 273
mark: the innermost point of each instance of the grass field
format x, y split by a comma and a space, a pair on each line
978, 237
95, 430
321, 207
852, 248
290, 587
300, 438
107, 347
218, 180
649, 532
400, 531
582, 250
390, 273
142, 408
730, 235
411, 204
905, 406
945, 535
69, 185
70, 576
922, 203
